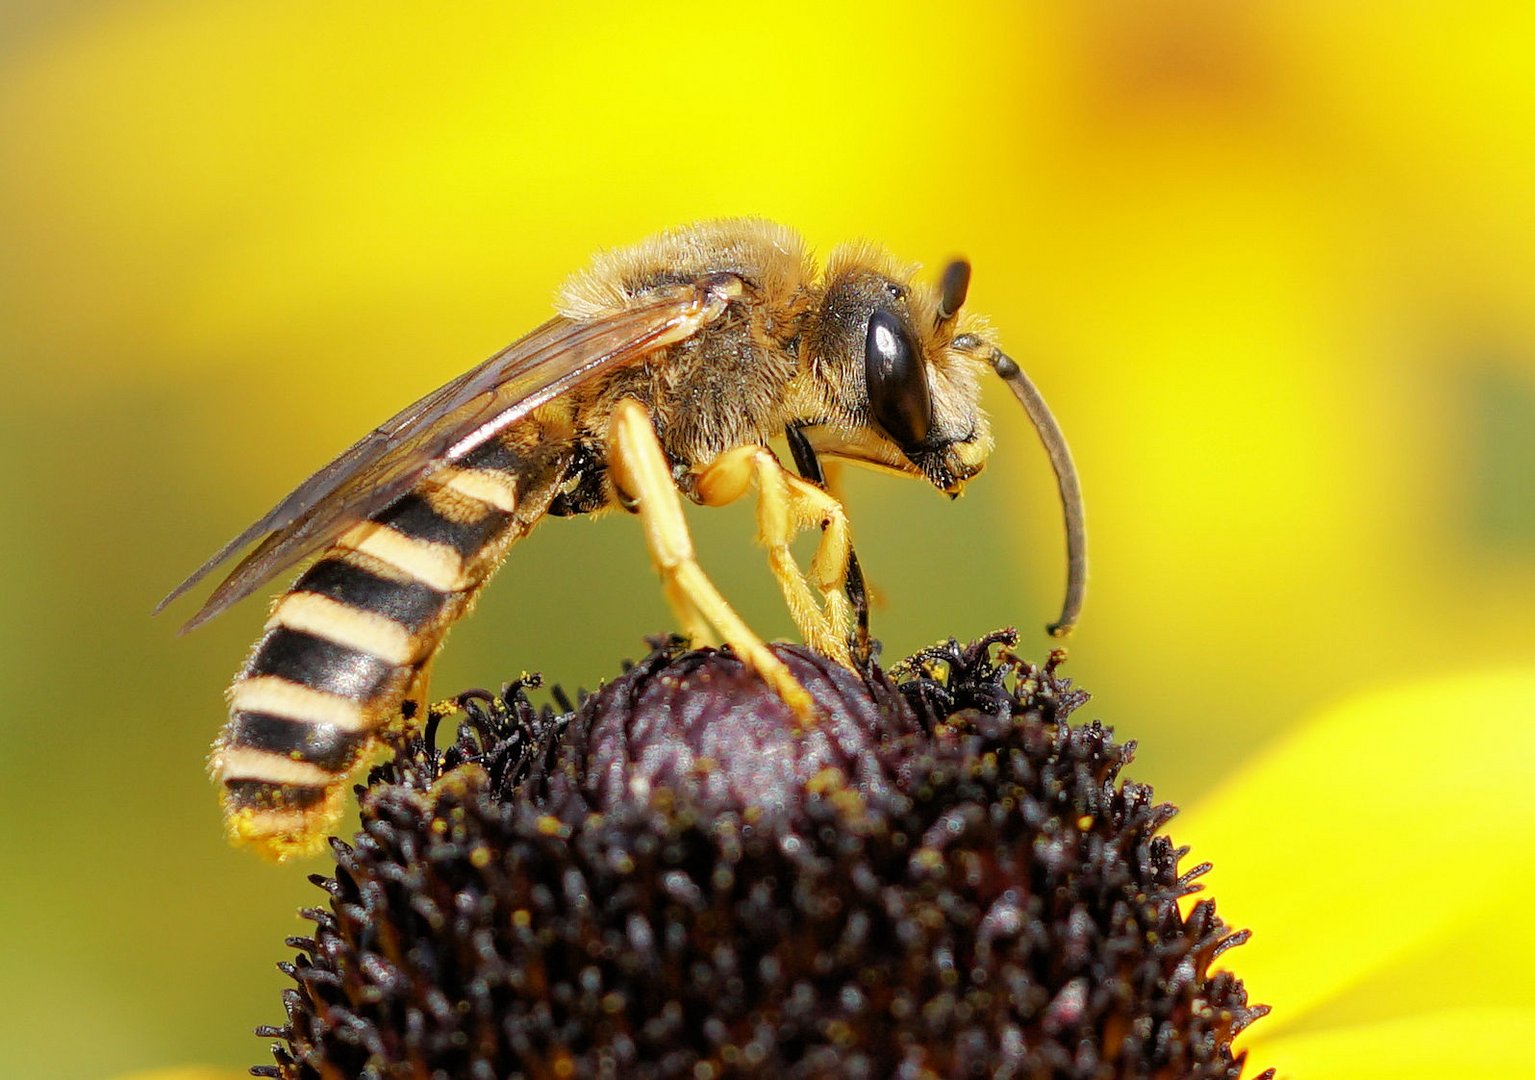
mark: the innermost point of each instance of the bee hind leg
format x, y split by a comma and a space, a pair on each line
639, 469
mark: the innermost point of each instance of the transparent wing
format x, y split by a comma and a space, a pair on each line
442, 427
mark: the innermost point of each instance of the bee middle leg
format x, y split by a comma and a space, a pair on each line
640, 472
809, 465
787, 504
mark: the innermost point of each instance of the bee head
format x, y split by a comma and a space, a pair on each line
895, 393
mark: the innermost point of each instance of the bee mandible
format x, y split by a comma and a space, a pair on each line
668, 370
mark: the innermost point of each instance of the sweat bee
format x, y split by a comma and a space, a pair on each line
669, 368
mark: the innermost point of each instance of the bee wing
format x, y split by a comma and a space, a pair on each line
442, 427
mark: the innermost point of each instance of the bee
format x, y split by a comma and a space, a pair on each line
667, 371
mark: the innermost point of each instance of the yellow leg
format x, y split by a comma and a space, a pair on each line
785, 505
424, 708
639, 469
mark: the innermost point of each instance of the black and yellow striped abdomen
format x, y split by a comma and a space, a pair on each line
350, 641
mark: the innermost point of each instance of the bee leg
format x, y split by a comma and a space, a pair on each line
639, 470
691, 621
417, 710
809, 466
785, 505
415, 705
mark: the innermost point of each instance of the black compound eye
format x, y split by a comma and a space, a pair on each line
897, 378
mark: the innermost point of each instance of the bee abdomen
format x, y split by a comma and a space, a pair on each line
320, 681
326, 747
346, 644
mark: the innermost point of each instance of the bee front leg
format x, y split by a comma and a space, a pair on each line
640, 472
785, 505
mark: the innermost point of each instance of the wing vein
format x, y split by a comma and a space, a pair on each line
442, 427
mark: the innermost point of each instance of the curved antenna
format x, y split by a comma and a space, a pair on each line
1066, 479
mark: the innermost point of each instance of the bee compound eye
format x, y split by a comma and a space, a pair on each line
896, 374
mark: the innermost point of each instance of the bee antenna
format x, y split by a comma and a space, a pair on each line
952, 288
1066, 479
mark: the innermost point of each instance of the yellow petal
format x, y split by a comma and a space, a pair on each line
1379, 830
1467, 1044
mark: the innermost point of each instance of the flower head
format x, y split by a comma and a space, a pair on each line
942, 878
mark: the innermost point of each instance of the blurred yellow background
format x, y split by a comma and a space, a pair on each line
1272, 265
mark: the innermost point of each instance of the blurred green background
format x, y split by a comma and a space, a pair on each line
1272, 266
